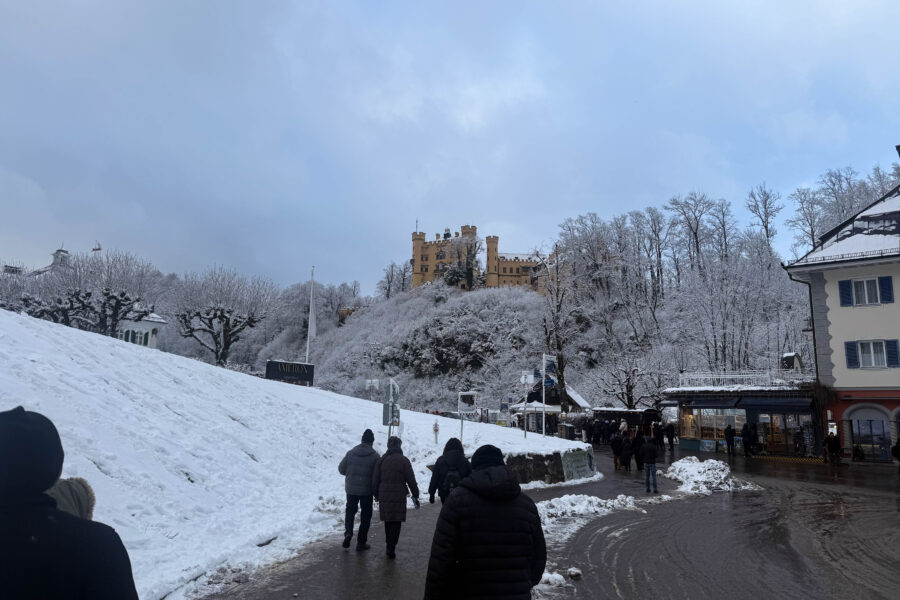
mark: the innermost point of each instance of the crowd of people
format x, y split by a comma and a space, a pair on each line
488, 541
625, 445
52, 549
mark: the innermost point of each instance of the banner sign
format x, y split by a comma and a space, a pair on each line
578, 464
290, 372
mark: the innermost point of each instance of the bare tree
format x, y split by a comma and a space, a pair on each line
807, 219
691, 213
216, 307
763, 204
388, 284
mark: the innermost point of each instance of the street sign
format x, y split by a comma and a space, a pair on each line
290, 372
390, 415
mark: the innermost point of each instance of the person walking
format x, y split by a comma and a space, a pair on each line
357, 467
46, 553
623, 427
604, 432
627, 451
615, 445
729, 440
670, 435
745, 439
658, 436
636, 448
648, 454
488, 542
392, 477
834, 448
895, 452
449, 469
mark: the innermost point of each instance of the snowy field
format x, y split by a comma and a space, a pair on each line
198, 467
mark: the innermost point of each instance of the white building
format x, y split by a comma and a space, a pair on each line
144, 332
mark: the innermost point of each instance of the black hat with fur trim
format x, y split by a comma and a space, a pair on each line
31, 453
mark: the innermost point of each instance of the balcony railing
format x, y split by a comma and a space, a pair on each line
770, 378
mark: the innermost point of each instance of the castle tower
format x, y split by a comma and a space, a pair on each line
418, 240
492, 266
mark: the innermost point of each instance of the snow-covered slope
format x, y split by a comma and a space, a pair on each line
196, 465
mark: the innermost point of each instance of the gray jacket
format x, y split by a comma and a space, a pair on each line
357, 467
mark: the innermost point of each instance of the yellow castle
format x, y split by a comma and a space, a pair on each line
432, 259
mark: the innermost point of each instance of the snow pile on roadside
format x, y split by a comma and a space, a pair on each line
535, 485
705, 477
581, 505
199, 467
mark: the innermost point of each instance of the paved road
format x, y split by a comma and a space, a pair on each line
796, 538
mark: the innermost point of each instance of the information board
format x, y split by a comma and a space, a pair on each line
290, 372
578, 464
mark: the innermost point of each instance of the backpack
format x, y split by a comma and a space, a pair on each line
451, 480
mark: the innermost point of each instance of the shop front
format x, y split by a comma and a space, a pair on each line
778, 425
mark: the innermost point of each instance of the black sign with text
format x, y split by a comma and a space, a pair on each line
299, 373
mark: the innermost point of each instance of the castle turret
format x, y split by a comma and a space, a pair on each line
492, 266
418, 240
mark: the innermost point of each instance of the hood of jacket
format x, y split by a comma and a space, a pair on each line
363, 450
455, 459
494, 483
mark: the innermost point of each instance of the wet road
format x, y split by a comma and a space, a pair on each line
812, 532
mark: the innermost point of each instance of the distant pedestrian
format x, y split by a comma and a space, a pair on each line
604, 431
357, 467
648, 452
627, 451
449, 469
729, 440
754, 439
46, 553
670, 435
488, 542
658, 436
895, 452
393, 476
636, 447
745, 439
834, 448
623, 426
615, 445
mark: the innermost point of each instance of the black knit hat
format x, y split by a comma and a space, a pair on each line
31, 454
487, 456
368, 437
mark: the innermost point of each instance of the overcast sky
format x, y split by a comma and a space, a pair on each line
271, 136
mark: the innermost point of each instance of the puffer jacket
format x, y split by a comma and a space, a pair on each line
488, 542
451, 459
393, 475
357, 467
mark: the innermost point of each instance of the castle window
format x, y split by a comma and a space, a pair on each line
517, 269
504, 269
441, 255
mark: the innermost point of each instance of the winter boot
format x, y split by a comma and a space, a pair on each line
347, 538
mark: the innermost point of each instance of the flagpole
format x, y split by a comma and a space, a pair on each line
309, 325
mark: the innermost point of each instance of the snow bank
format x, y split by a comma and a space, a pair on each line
705, 477
196, 466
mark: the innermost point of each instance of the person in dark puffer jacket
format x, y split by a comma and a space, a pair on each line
45, 553
357, 467
453, 459
393, 475
488, 542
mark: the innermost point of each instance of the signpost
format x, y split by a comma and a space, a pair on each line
552, 360
390, 415
290, 372
465, 404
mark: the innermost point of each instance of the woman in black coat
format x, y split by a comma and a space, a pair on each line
448, 471
627, 451
393, 475
636, 448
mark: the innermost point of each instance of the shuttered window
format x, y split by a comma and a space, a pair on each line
845, 289
886, 289
852, 355
892, 352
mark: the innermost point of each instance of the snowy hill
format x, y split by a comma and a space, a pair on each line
196, 466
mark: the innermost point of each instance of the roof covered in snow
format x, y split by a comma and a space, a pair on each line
515, 256
872, 233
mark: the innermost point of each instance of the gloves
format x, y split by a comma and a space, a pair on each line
416, 502
431, 498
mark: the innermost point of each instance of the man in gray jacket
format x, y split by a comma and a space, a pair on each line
357, 468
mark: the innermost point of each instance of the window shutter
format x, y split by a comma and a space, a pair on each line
845, 291
852, 353
892, 350
886, 289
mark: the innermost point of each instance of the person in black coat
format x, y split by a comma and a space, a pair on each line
636, 448
357, 467
45, 553
392, 478
449, 470
729, 440
745, 439
488, 542
670, 435
648, 453
627, 451
616, 445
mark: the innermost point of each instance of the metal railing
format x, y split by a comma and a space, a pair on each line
774, 377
